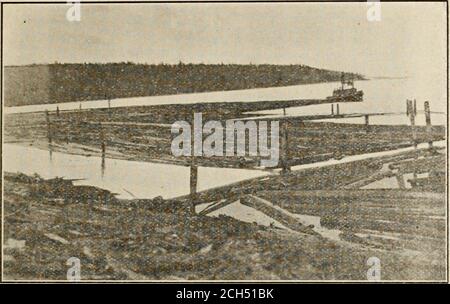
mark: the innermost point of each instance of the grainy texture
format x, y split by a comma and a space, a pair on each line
183, 142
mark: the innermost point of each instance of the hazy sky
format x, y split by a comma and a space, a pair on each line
409, 39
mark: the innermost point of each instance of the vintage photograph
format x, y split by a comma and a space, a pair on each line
171, 142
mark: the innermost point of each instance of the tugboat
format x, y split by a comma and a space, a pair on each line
346, 94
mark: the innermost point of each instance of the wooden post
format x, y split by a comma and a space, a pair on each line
284, 111
47, 119
66, 207
193, 179
102, 140
332, 109
288, 151
103, 146
337, 109
412, 117
428, 122
366, 119
285, 147
109, 109
193, 185
67, 134
193, 175
57, 111
80, 118
49, 132
400, 181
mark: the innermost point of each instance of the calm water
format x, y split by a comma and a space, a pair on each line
143, 179
380, 95
146, 180
132, 179
127, 178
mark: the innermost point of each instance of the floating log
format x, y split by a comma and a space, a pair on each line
277, 182
420, 165
118, 267
57, 238
284, 217
366, 181
303, 197
312, 117
217, 206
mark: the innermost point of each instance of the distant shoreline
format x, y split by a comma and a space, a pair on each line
58, 83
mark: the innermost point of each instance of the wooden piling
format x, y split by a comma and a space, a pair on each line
66, 216
49, 131
79, 116
426, 106
412, 116
193, 186
366, 119
102, 140
103, 147
332, 109
400, 181
67, 134
285, 166
193, 176
193, 179
337, 109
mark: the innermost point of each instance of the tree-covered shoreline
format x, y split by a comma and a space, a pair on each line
93, 81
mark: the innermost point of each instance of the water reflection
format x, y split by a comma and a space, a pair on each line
141, 179
50, 152
103, 165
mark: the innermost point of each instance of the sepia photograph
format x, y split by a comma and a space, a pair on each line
224, 142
